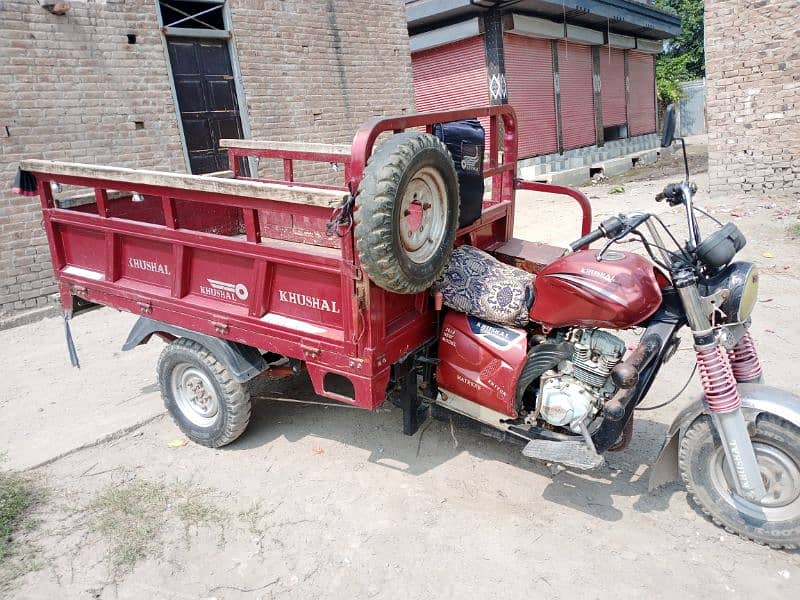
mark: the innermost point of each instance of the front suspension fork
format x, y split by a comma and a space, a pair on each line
721, 394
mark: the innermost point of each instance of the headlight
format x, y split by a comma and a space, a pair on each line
741, 279
747, 293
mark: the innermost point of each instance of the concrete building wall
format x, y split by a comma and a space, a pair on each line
692, 108
753, 96
73, 88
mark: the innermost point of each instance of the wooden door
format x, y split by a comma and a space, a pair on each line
206, 92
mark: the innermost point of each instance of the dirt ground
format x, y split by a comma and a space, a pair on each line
319, 502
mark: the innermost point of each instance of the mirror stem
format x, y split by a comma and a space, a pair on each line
685, 159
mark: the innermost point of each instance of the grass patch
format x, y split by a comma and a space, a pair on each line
130, 518
18, 497
133, 518
794, 230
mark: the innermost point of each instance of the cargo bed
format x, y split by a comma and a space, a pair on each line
249, 260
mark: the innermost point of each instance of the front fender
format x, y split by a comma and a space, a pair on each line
756, 398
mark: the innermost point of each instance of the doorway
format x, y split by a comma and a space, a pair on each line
206, 94
205, 81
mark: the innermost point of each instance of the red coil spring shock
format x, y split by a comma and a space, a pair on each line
717, 378
744, 360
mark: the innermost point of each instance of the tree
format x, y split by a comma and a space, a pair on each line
684, 57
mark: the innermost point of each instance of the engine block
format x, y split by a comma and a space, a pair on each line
596, 353
576, 391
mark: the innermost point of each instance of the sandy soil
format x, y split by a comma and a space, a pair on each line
318, 502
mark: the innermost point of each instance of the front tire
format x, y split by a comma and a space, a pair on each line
202, 397
774, 520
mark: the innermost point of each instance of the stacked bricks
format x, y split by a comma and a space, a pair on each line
73, 88
753, 96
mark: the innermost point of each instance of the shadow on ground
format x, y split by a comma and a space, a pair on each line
437, 442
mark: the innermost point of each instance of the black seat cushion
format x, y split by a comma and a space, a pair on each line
478, 284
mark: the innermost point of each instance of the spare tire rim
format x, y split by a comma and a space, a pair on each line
423, 215
781, 476
195, 395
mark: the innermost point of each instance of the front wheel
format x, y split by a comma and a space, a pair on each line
775, 519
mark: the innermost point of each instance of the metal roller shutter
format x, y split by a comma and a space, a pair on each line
529, 73
577, 94
612, 86
451, 76
642, 110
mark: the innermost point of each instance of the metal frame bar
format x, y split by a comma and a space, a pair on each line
196, 33
557, 97
549, 188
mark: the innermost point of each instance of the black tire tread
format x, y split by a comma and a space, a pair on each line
694, 435
374, 208
236, 402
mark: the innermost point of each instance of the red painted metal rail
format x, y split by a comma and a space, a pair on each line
549, 188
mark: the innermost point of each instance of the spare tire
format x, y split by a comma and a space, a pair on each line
407, 212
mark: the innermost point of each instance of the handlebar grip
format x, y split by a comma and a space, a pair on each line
590, 237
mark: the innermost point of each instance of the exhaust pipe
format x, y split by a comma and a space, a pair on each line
626, 375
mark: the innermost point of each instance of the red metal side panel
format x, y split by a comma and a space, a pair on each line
529, 74
642, 111
577, 94
612, 86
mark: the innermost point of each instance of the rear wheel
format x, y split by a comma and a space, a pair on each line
202, 397
407, 212
775, 519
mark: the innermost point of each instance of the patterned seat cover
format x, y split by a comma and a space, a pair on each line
478, 284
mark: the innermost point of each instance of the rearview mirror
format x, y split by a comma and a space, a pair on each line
668, 133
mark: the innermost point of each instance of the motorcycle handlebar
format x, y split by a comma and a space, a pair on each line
608, 228
673, 193
587, 239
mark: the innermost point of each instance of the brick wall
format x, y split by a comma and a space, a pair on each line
753, 96
71, 88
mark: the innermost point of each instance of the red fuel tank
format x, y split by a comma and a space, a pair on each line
578, 290
481, 361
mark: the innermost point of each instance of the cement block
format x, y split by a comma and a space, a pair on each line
615, 166
532, 171
577, 161
577, 176
647, 157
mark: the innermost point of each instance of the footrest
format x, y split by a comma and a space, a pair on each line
575, 454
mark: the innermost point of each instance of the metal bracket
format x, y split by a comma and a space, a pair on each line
310, 351
714, 301
220, 327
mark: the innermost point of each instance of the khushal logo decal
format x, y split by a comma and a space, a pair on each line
308, 301
224, 290
148, 265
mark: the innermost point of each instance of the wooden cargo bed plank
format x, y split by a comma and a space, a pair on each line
295, 194
342, 149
